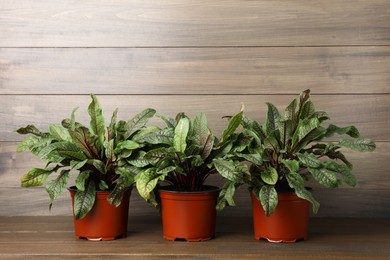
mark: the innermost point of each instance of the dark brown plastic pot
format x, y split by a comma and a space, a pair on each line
288, 223
104, 221
189, 216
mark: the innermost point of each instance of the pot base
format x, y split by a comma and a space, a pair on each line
188, 239
281, 240
100, 238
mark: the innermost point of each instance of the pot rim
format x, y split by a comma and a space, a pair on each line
286, 192
74, 189
210, 188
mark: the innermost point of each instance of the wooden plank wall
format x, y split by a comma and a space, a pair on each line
192, 56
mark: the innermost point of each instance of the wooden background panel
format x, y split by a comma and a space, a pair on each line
278, 70
370, 113
117, 23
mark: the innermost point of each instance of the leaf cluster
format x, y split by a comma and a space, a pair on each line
291, 148
98, 154
187, 154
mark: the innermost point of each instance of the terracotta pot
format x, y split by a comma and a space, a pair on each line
104, 221
189, 216
288, 223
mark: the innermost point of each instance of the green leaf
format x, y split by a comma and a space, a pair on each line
308, 110
227, 169
36, 176
31, 129
73, 119
295, 180
126, 145
59, 133
252, 158
340, 156
234, 123
146, 182
360, 145
84, 201
307, 126
170, 122
230, 190
76, 165
348, 177
273, 117
27, 143
292, 165
309, 160
285, 128
82, 138
138, 121
50, 153
138, 159
202, 136
34, 144
221, 150
304, 96
270, 176
80, 156
103, 185
156, 155
164, 136
308, 130
309, 138
55, 187
306, 195
324, 177
109, 150
111, 127
98, 164
81, 179
123, 184
289, 112
97, 119
268, 198
253, 128
352, 131
180, 136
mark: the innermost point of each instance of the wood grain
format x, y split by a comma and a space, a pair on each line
210, 56
164, 23
370, 113
194, 70
52, 237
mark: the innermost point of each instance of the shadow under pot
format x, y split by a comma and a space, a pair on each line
104, 221
288, 223
189, 216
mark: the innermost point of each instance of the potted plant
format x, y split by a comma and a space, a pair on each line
291, 149
97, 155
187, 155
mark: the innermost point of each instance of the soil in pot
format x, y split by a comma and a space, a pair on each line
288, 223
189, 216
104, 221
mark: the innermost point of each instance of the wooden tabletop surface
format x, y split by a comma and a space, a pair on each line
52, 237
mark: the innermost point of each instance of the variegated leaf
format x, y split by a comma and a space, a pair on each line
268, 198
180, 135
55, 187
84, 201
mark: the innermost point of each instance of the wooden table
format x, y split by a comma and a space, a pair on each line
51, 237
